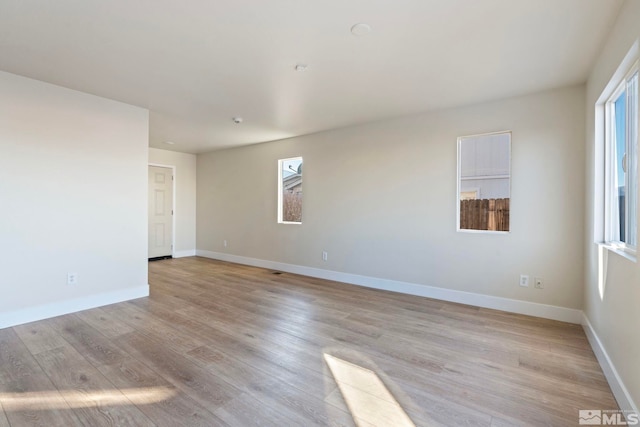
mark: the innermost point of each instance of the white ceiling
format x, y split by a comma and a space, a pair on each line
195, 64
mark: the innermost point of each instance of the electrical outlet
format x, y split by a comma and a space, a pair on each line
325, 255
524, 280
72, 279
538, 283
225, 243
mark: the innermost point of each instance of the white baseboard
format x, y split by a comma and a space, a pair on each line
45, 311
182, 254
487, 301
618, 388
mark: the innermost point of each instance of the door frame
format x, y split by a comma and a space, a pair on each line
173, 205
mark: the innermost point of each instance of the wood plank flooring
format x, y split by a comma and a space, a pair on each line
219, 344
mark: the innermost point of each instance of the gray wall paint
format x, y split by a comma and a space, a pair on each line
73, 186
381, 199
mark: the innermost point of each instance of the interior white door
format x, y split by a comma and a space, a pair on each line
160, 211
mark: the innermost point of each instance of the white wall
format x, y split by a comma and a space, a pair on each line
73, 192
185, 197
612, 294
381, 200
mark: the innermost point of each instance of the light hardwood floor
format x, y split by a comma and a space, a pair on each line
220, 344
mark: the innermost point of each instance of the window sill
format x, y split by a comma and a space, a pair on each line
625, 253
473, 231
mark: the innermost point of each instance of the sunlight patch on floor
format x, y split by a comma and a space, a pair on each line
40, 400
368, 399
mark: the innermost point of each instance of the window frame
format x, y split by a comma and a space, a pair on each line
459, 179
631, 224
280, 213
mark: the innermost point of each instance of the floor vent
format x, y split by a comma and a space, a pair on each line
160, 258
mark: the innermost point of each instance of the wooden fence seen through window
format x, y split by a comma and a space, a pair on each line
484, 214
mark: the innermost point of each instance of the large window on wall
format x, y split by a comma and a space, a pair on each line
621, 164
290, 191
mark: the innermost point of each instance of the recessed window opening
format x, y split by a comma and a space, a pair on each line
621, 164
290, 191
484, 182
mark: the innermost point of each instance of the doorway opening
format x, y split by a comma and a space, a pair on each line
161, 212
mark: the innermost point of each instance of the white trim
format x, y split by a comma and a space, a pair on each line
471, 230
627, 63
182, 254
623, 251
173, 205
487, 301
45, 311
481, 177
618, 388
